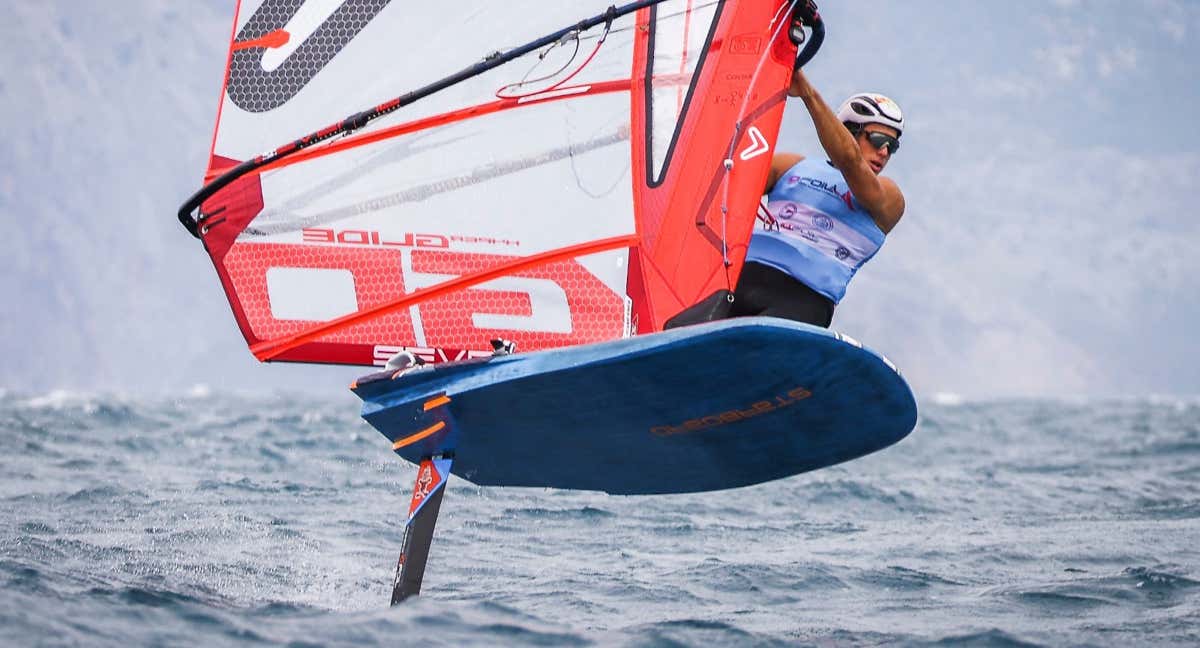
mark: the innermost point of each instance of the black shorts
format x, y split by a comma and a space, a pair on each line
767, 292
761, 291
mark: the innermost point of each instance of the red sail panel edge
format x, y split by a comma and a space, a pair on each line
685, 239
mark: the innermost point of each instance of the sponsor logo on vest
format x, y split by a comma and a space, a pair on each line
821, 185
824, 187
799, 230
842, 253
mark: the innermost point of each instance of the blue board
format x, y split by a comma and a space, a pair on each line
699, 408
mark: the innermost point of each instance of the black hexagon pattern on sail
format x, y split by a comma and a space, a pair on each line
254, 89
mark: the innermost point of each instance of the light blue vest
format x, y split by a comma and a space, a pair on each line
823, 236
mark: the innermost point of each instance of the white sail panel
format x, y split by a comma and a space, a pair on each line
682, 28
403, 46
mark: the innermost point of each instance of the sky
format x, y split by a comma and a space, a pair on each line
1047, 162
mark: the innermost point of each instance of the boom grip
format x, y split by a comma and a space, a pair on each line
813, 44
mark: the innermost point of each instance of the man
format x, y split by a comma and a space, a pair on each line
829, 217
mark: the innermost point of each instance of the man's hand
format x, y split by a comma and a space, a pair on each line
799, 87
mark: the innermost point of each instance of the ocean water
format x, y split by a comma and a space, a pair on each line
216, 519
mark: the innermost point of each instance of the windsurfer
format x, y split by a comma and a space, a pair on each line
827, 217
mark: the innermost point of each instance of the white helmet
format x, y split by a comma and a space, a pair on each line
871, 108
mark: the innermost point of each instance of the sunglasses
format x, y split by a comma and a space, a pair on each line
880, 140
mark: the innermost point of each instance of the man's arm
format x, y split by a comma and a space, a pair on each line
881, 196
780, 164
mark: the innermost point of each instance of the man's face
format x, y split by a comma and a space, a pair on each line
876, 156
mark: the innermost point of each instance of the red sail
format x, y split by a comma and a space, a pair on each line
587, 190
